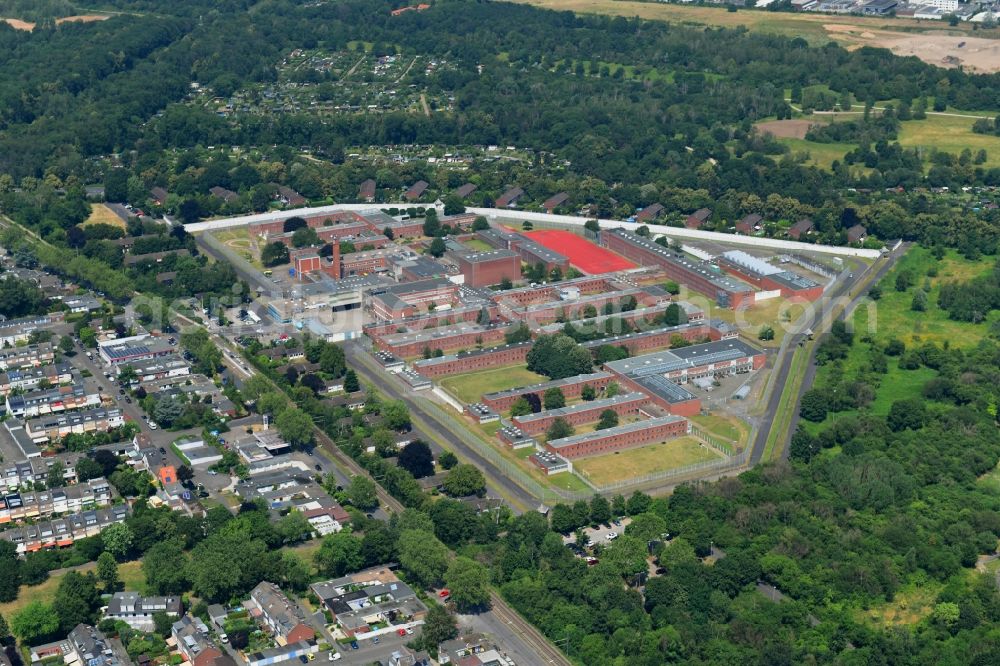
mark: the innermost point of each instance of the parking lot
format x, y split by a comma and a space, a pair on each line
601, 533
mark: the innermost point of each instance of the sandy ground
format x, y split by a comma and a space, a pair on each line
787, 129
944, 50
82, 18
18, 24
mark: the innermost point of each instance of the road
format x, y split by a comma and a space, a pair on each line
432, 430
815, 321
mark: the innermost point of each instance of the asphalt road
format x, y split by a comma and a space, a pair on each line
431, 429
814, 321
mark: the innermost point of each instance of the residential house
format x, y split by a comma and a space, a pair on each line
222, 193
28, 378
416, 190
649, 213
696, 219
749, 224
470, 650
290, 197
30, 356
509, 198
158, 195
195, 644
366, 192
279, 614
63, 532
360, 601
137, 611
84, 646
554, 202
857, 234
801, 228
463, 191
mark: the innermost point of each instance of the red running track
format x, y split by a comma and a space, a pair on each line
582, 254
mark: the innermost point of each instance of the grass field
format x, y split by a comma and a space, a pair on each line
478, 245
631, 463
101, 214
951, 135
130, 573
724, 426
908, 607
238, 240
471, 386
776, 313
891, 316
822, 155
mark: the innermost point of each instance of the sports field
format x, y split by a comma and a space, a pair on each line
582, 254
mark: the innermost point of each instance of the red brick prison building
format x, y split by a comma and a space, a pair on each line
471, 361
649, 431
466, 313
451, 338
767, 277
531, 252
408, 298
501, 401
627, 404
661, 374
661, 338
363, 263
482, 269
698, 276
276, 227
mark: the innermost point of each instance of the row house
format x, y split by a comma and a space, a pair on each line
56, 426
52, 401
195, 644
64, 532
28, 473
15, 331
30, 356
85, 645
57, 501
28, 378
281, 616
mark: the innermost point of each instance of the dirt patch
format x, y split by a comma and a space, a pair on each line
936, 48
83, 18
18, 24
787, 129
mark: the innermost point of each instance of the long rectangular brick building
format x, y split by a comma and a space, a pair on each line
471, 361
650, 431
452, 338
584, 412
724, 290
571, 387
661, 374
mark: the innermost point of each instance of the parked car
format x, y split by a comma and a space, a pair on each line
401, 631
334, 656
409, 631
611, 536
354, 645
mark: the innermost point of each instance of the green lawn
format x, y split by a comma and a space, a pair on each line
726, 427
631, 463
478, 245
471, 386
820, 154
130, 573
951, 135
891, 316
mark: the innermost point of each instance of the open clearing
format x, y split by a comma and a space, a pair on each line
778, 313
723, 425
951, 135
787, 129
471, 386
631, 463
101, 214
891, 316
909, 606
130, 574
934, 42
